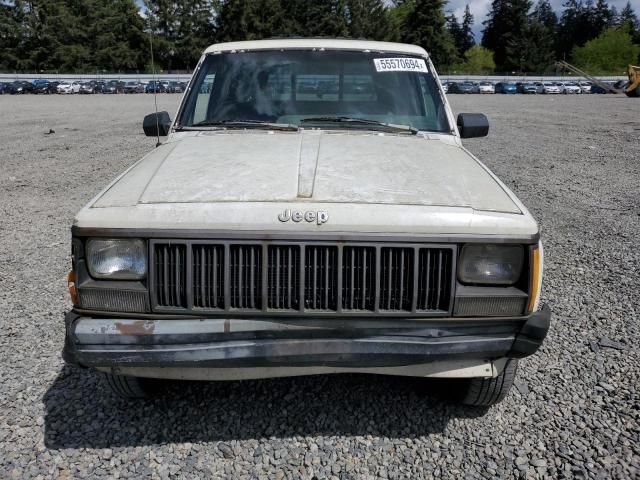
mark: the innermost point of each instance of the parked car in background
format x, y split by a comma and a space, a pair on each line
133, 87
526, 87
46, 88
598, 89
569, 87
550, 87
486, 87
7, 88
621, 84
464, 87
174, 87
113, 87
445, 86
87, 88
21, 86
3, 87
585, 86
69, 87
99, 86
506, 87
155, 86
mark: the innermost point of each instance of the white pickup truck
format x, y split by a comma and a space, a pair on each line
311, 211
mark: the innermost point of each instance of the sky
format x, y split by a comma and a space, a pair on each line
479, 9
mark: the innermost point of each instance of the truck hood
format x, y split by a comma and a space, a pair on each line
310, 166
238, 181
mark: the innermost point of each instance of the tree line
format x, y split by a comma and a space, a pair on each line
114, 35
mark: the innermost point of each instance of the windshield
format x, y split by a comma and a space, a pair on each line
313, 88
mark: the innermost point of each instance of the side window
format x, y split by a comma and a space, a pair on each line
202, 101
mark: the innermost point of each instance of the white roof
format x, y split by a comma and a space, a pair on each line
318, 43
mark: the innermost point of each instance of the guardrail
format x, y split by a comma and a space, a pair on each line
184, 77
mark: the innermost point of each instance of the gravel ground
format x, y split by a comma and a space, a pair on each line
574, 414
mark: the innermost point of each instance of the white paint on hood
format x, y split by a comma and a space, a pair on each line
274, 167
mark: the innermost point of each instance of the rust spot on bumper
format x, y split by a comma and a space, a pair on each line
136, 327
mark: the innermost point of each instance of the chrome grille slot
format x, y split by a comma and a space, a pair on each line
170, 275
208, 276
396, 278
434, 279
321, 277
283, 277
245, 263
358, 278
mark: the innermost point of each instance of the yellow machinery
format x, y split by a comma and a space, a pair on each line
633, 87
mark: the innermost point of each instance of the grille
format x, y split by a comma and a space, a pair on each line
113, 300
208, 276
245, 264
358, 278
489, 306
314, 277
283, 284
320, 277
396, 279
170, 272
434, 276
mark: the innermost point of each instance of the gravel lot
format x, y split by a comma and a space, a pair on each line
574, 160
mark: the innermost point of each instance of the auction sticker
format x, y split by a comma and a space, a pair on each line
402, 64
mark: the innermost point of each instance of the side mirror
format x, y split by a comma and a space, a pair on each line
156, 124
473, 125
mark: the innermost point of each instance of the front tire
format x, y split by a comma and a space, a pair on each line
635, 93
484, 392
130, 388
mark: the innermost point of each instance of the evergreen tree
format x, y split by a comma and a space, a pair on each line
11, 22
629, 19
581, 22
367, 19
455, 30
182, 29
116, 37
543, 13
505, 24
468, 39
317, 18
461, 33
533, 50
601, 17
397, 17
425, 26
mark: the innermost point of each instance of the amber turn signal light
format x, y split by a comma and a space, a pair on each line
535, 279
71, 287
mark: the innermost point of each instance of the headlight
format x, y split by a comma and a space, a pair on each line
117, 259
490, 264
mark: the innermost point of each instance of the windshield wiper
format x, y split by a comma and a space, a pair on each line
361, 121
258, 124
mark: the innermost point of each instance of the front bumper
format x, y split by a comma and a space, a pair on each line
164, 342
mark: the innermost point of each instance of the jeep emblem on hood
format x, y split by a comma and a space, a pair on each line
309, 216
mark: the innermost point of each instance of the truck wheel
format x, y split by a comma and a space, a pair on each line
128, 387
634, 93
484, 392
